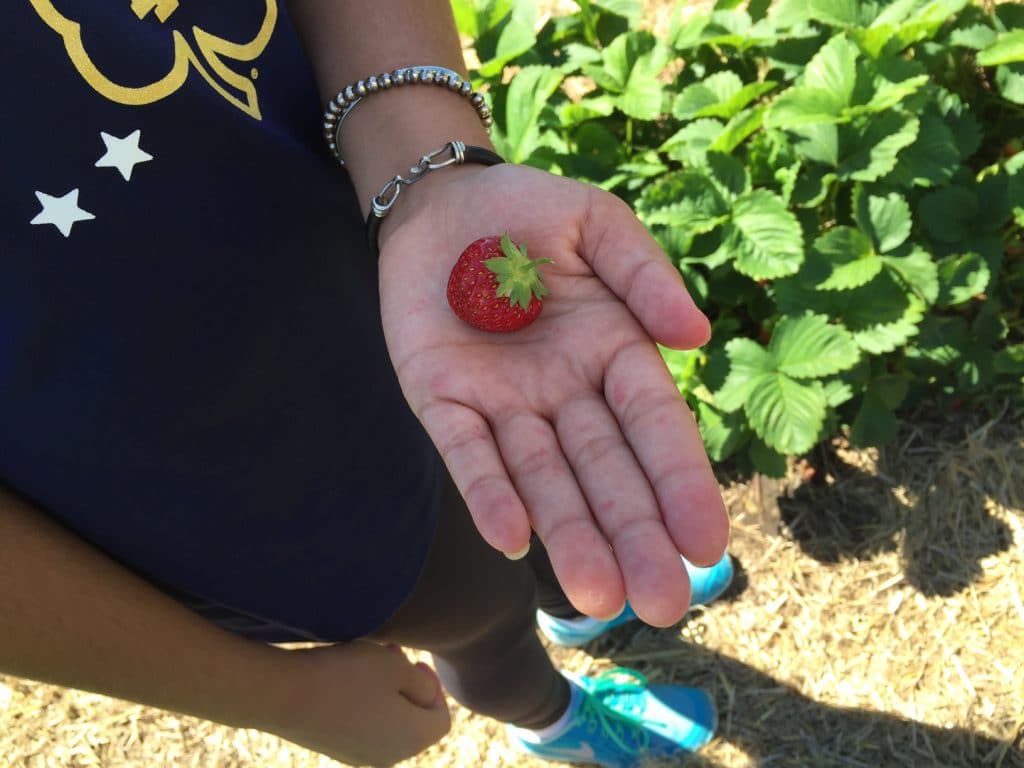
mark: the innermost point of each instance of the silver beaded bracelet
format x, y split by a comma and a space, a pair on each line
347, 99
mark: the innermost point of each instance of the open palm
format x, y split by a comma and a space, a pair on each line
572, 426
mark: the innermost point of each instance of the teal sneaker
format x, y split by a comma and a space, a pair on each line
706, 584
617, 720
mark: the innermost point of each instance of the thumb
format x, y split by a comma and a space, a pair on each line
422, 687
630, 262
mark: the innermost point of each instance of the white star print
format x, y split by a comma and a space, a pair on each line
62, 212
123, 154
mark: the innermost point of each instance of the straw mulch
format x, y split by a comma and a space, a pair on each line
877, 620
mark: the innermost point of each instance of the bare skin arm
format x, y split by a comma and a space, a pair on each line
580, 437
72, 616
350, 40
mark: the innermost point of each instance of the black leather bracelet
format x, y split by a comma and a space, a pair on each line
381, 205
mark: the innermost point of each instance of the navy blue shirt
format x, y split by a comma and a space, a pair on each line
192, 371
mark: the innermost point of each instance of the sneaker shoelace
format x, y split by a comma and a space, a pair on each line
624, 687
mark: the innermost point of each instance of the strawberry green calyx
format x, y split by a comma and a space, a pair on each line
519, 278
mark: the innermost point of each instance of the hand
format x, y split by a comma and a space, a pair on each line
572, 426
361, 703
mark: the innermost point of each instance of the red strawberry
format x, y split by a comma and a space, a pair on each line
495, 287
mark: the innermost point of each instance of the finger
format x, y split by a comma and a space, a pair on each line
579, 553
623, 254
421, 685
467, 446
429, 719
626, 509
664, 436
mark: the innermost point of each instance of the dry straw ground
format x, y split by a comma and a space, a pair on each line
877, 621
881, 625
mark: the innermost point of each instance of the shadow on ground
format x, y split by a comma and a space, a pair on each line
774, 724
927, 499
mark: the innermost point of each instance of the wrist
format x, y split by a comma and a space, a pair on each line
388, 133
284, 679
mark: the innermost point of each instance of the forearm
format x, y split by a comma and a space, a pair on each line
347, 40
72, 616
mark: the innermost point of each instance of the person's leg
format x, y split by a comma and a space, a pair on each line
550, 597
474, 610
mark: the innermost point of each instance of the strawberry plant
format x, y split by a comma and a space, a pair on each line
839, 181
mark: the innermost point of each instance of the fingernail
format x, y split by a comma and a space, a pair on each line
520, 554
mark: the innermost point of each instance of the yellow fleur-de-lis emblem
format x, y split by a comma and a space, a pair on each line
207, 58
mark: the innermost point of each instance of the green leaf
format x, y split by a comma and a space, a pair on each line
517, 37
805, 106
766, 461
884, 83
736, 29
738, 129
995, 206
891, 389
786, 414
572, 114
941, 342
836, 13
1010, 79
834, 68
686, 28
1007, 48
474, 18
812, 347
644, 97
764, 236
688, 200
691, 144
819, 143
925, 21
934, 157
528, 93
1010, 360
837, 392
881, 315
723, 434
989, 326
869, 150
632, 63
948, 214
728, 174
824, 92
813, 186
976, 36
712, 91
958, 118
875, 423
719, 95
881, 337
843, 258
683, 365
748, 363
886, 219
577, 55
962, 277
918, 271
628, 9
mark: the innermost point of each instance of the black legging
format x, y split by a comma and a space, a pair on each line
474, 611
